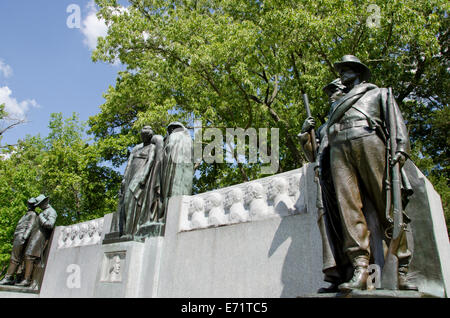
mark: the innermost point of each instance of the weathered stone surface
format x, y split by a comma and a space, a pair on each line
372, 294
256, 253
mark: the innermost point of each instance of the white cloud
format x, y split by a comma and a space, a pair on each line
5, 69
93, 27
14, 108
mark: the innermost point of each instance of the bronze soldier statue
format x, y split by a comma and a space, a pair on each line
337, 268
30, 239
39, 237
21, 239
357, 130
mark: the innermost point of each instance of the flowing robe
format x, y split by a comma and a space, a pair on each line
133, 187
177, 168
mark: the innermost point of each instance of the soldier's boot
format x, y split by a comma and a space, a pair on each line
360, 275
333, 288
403, 281
29, 265
9, 277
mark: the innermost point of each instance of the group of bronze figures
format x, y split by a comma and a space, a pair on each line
357, 151
158, 168
31, 236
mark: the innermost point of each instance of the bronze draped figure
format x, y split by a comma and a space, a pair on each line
157, 169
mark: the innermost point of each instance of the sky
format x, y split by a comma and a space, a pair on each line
46, 65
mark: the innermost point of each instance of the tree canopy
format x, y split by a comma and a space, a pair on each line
246, 63
241, 63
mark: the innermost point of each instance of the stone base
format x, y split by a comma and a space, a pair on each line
114, 237
147, 230
379, 293
123, 281
18, 289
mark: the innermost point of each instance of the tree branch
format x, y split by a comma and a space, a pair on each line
12, 125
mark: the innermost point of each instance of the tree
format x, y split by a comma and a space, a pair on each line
63, 166
80, 187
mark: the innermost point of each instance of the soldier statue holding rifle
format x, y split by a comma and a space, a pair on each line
368, 144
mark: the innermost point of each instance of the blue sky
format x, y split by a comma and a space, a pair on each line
46, 67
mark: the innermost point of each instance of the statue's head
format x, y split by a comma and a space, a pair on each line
256, 191
66, 234
236, 195
42, 201
92, 228
147, 134
115, 267
158, 141
350, 68
215, 199
31, 203
74, 232
197, 205
334, 90
278, 186
84, 229
174, 125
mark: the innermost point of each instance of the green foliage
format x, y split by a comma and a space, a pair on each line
427, 164
65, 167
246, 63
2, 111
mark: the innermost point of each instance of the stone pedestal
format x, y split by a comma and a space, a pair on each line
153, 229
258, 239
379, 293
120, 270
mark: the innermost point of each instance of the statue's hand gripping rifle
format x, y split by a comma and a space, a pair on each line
312, 132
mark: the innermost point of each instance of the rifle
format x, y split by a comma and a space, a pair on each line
312, 132
389, 278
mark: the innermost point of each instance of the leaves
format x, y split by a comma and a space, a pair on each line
246, 63
240, 63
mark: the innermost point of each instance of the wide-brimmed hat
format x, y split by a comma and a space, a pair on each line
176, 124
354, 63
147, 127
331, 87
32, 201
41, 198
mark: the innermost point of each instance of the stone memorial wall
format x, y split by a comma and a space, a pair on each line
256, 239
